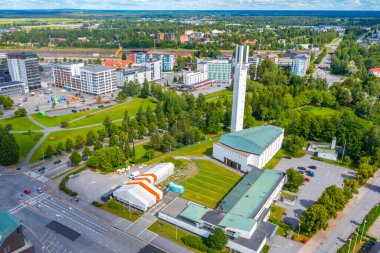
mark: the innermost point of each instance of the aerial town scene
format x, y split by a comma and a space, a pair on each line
175, 126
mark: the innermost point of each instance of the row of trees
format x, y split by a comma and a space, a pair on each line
9, 150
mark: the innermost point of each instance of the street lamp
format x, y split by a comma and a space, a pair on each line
365, 221
349, 245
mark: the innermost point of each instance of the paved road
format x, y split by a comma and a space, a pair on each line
347, 220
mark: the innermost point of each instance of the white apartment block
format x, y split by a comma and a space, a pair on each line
194, 77
155, 67
139, 74
97, 79
218, 70
63, 74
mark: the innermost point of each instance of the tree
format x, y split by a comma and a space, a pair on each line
21, 112
75, 157
351, 68
86, 152
155, 141
168, 142
113, 141
64, 124
60, 148
144, 93
98, 145
218, 240
141, 131
91, 137
152, 127
6, 102
294, 180
365, 171
69, 144
79, 141
9, 150
49, 151
106, 158
293, 144
1, 113
54, 104
102, 134
314, 218
107, 124
99, 99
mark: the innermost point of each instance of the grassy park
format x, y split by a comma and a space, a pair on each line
210, 184
116, 112
121, 210
218, 94
56, 137
20, 124
26, 142
200, 149
319, 111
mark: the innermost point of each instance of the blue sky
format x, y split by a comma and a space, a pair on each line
195, 4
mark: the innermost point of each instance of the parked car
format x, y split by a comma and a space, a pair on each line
27, 191
310, 173
74, 111
313, 167
84, 109
57, 162
287, 157
134, 175
19, 168
40, 190
41, 170
88, 108
100, 106
301, 168
307, 179
301, 172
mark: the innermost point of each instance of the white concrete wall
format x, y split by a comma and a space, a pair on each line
332, 157
220, 152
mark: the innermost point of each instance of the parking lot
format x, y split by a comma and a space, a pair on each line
324, 176
91, 185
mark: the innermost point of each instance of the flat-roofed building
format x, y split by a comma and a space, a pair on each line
137, 74
13, 88
249, 148
192, 77
218, 70
63, 74
155, 66
23, 67
97, 79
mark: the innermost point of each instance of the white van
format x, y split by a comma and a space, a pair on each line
134, 175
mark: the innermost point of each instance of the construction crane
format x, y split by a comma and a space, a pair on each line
119, 54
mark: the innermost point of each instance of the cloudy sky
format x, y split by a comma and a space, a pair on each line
195, 4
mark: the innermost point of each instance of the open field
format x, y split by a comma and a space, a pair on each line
121, 210
218, 94
116, 112
26, 142
320, 111
210, 184
39, 20
200, 149
54, 138
171, 232
56, 120
20, 124
141, 150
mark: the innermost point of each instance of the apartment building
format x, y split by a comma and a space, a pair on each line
23, 67
300, 64
64, 74
155, 66
218, 70
138, 74
97, 79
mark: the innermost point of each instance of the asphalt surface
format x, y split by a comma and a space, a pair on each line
325, 176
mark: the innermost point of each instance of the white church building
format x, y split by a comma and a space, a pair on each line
252, 147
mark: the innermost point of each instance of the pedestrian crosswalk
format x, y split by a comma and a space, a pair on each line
36, 176
31, 201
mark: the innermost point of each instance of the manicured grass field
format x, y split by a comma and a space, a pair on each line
56, 120
121, 210
275, 160
56, 137
116, 112
141, 151
200, 149
320, 111
171, 232
20, 124
210, 184
26, 142
218, 94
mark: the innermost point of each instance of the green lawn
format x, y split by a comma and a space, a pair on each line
20, 124
275, 160
319, 111
60, 136
26, 142
56, 120
116, 112
210, 184
141, 150
276, 213
121, 210
218, 94
171, 232
200, 149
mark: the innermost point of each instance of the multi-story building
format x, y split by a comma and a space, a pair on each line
155, 66
140, 58
300, 64
218, 70
97, 79
285, 62
138, 74
160, 36
193, 77
13, 88
169, 36
167, 62
63, 74
23, 67
184, 38
274, 58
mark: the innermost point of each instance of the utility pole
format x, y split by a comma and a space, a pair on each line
344, 150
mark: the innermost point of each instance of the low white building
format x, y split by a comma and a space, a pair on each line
138, 74
252, 147
13, 88
194, 77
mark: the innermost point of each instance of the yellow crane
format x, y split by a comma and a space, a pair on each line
119, 54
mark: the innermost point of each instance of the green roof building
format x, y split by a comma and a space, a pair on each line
252, 147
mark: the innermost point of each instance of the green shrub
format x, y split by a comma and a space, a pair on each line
97, 204
195, 242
